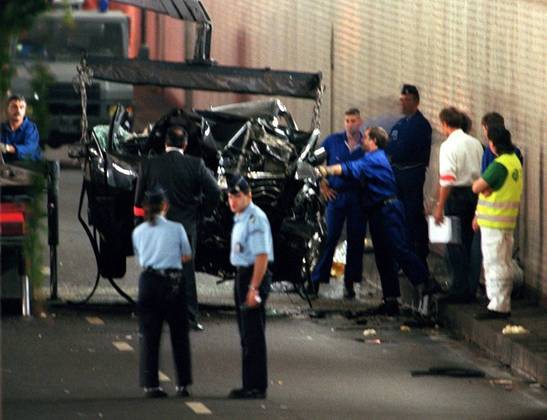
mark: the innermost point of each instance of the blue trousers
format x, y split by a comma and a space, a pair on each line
346, 208
389, 237
410, 183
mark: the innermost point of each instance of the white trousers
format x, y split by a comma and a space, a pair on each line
497, 249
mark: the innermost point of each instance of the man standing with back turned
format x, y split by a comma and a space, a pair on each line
191, 190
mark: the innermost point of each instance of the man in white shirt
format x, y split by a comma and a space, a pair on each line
459, 166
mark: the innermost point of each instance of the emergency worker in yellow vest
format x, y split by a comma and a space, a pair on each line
500, 189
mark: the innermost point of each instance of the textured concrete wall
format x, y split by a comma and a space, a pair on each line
479, 55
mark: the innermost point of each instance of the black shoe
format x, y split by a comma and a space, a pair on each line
196, 326
312, 290
182, 392
456, 299
388, 308
349, 294
247, 394
154, 393
488, 314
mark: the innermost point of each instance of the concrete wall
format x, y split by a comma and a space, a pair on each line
479, 55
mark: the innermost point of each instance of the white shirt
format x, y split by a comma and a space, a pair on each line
459, 160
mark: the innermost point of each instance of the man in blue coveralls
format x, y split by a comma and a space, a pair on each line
409, 147
19, 139
386, 218
343, 197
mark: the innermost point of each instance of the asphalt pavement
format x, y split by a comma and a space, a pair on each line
63, 363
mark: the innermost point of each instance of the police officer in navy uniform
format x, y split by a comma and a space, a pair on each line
161, 247
251, 252
386, 219
343, 205
409, 148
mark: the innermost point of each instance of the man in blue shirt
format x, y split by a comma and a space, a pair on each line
19, 138
251, 251
386, 218
343, 205
409, 148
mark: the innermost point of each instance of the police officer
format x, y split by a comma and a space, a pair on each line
161, 247
343, 205
409, 148
386, 218
251, 251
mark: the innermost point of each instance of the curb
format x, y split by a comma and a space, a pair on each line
524, 353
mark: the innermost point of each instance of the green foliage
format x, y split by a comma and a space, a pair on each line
15, 17
35, 222
38, 109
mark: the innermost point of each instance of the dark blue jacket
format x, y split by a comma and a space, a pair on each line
488, 157
410, 141
376, 177
25, 139
338, 152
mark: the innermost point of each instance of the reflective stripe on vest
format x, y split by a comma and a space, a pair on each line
501, 208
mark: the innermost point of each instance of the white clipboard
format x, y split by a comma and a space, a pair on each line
448, 232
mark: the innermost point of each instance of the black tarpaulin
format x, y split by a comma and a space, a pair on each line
206, 77
190, 10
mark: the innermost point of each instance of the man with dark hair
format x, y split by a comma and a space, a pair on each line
409, 148
386, 218
500, 189
19, 138
251, 251
490, 119
459, 166
343, 205
191, 191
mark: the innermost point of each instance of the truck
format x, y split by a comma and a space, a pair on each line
57, 41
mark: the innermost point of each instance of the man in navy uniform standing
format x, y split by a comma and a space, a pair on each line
251, 251
409, 147
343, 205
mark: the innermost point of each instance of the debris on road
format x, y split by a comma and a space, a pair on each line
452, 371
514, 329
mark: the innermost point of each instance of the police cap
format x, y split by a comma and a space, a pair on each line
238, 184
410, 90
155, 196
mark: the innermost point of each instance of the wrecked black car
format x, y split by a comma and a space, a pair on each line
257, 139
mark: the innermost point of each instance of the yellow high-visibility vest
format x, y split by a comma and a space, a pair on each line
500, 209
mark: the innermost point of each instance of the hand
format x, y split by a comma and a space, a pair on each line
475, 224
326, 191
487, 192
438, 214
253, 298
321, 171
